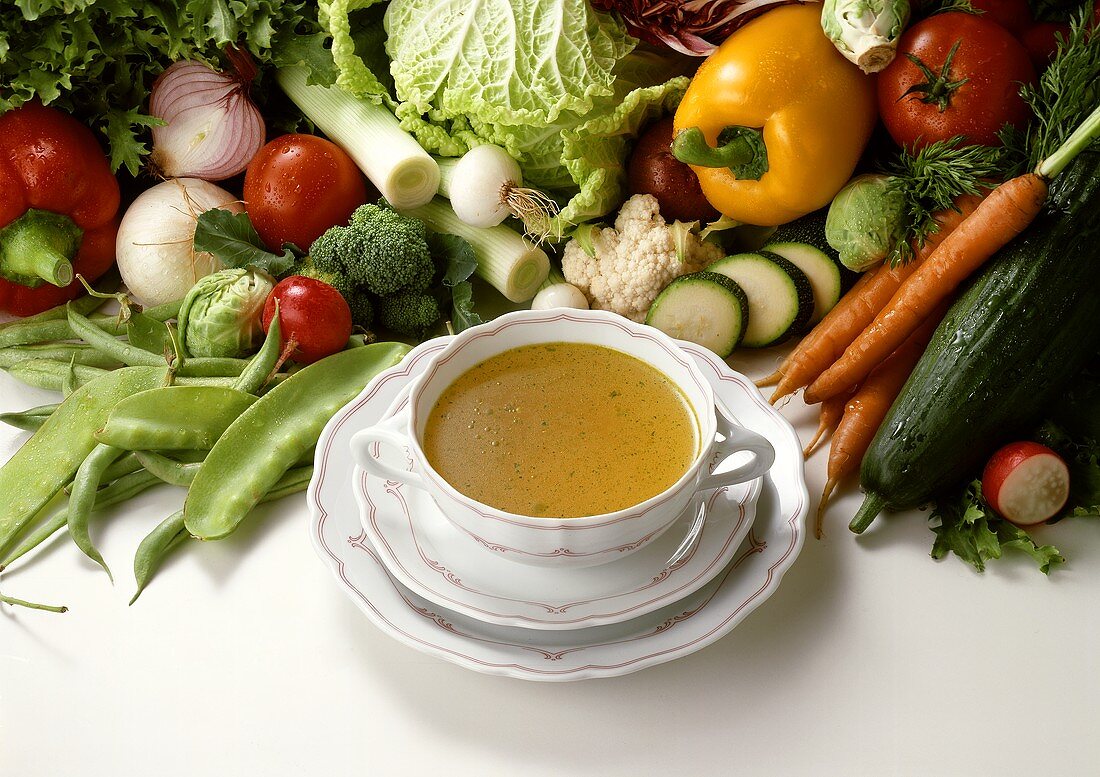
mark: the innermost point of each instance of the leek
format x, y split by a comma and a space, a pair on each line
400, 169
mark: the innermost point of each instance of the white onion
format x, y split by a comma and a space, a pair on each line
155, 245
213, 129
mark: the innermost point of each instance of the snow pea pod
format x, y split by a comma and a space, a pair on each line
85, 485
173, 418
82, 354
265, 441
171, 532
29, 420
27, 331
264, 363
52, 375
126, 487
51, 457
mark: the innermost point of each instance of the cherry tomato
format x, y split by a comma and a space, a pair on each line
311, 313
297, 186
1014, 15
1041, 42
967, 82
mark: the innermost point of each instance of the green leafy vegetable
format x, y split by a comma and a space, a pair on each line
463, 315
1073, 430
97, 59
964, 524
456, 256
232, 238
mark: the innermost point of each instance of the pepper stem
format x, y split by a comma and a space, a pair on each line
38, 247
739, 149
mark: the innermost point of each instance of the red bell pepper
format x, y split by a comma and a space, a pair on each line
58, 209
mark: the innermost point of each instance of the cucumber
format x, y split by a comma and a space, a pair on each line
810, 229
822, 272
1002, 356
705, 308
781, 300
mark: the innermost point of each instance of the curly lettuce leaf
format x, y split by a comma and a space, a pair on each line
97, 59
964, 524
519, 62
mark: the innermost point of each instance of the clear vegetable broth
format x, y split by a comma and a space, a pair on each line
561, 430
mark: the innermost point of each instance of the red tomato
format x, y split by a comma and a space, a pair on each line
971, 92
1041, 42
298, 186
1014, 15
311, 313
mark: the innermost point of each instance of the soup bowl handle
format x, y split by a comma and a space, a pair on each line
738, 439
388, 432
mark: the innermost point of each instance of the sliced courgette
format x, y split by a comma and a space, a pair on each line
822, 272
705, 308
810, 229
781, 300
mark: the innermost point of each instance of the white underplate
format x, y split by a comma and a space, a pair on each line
671, 632
438, 561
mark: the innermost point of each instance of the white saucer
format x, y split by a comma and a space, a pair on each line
438, 561
670, 632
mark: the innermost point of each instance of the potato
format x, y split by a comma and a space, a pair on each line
652, 169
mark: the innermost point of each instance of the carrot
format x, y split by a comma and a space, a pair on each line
999, 218
863, 413
831, 412
858, 308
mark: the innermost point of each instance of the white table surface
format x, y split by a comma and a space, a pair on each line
244, 658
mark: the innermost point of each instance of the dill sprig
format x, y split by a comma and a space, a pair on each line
930, 179
1067, 92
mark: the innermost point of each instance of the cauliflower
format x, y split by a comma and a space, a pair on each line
633, 261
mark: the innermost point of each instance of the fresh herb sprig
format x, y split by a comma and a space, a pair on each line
1067, 92
933, 177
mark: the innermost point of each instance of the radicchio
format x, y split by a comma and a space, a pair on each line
692, 27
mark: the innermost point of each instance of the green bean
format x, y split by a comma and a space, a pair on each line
171, 531
85, 486
12, 601
212, 367
264, 442
83, 354
26, 331
50, 458
110, 346
70, 382
173, 418
84, 305
176, 473
127, 465
259, 369
126, 487
28, 420
51, 375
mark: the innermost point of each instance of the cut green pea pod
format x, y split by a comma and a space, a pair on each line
122, 489
50, 458
171, 532
85, 486
265, 441
173, 418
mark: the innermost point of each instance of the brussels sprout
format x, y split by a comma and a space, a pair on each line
866, 219
220, 316
866, 32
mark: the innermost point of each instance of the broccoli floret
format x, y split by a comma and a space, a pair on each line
362, 309
379, 249
409, 313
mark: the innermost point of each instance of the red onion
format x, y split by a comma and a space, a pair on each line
213, 128
692, 27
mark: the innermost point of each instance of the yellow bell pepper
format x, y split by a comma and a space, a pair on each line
775, 120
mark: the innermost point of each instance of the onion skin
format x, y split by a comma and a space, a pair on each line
212, 127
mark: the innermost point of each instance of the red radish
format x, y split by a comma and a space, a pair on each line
1026, 483
1041, 42
314, 317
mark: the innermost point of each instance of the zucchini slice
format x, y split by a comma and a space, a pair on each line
705, 308
810, 229
822, 272
781, 300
